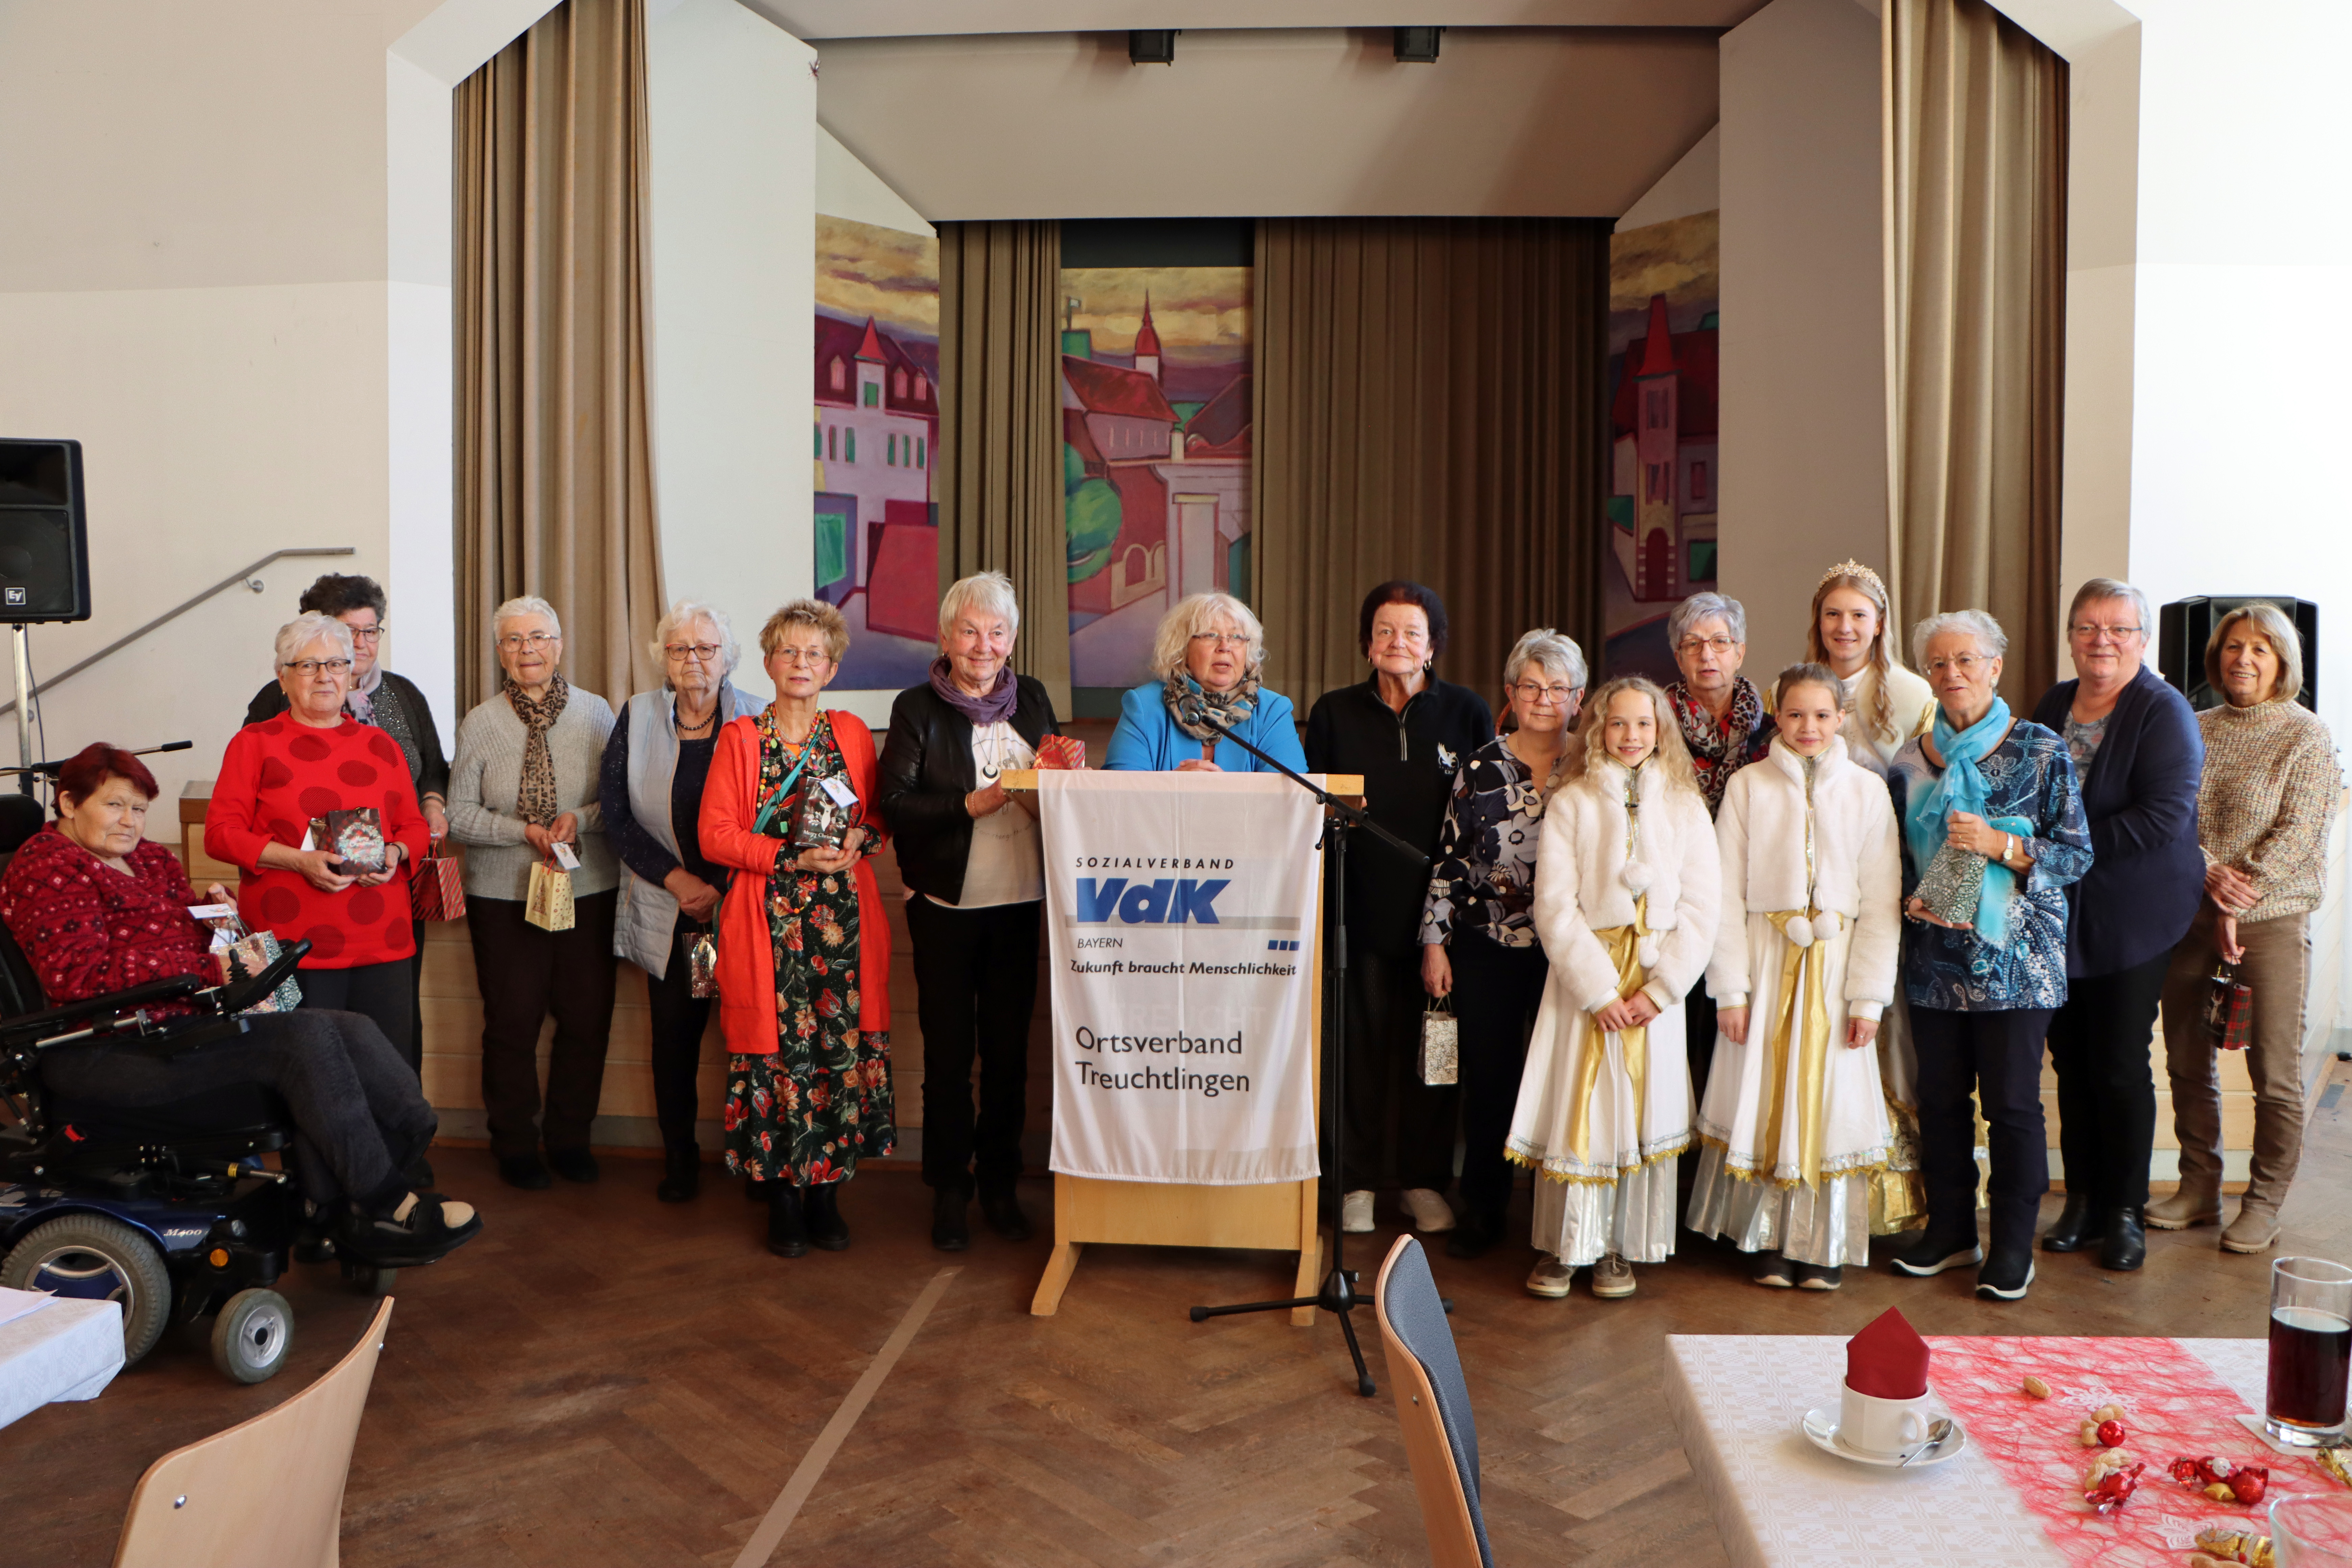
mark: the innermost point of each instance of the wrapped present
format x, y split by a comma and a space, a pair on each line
355, 838
246, 956
548, 904
436, 887
1952, 885
1062, 754
826, 811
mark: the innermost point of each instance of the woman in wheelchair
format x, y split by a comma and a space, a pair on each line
96, 909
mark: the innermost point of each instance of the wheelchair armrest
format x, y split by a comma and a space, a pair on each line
32, 1025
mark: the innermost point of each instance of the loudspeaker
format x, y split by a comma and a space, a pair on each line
2186, 626
1151, 45
44, 538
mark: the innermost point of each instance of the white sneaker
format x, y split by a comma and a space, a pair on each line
1429, 1209
1356, 1213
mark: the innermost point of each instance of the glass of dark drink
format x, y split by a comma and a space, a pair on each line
2311, 1345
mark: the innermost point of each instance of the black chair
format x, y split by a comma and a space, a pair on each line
1440, 1440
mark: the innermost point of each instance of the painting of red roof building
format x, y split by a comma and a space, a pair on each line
876, 436
1155, 453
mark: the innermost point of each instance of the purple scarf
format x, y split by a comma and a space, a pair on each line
996, 708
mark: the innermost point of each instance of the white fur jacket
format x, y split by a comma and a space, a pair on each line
1585, 883
1857, 869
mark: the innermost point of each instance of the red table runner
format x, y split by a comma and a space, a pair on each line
2173, 1406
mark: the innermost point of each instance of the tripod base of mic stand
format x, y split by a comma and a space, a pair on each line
1337, 1297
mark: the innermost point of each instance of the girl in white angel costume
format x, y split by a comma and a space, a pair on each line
1794, 1121
1625, 902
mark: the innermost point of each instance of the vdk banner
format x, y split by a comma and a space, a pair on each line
1180, 912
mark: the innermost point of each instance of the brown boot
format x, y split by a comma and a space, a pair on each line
2254, 1230
2195, 1203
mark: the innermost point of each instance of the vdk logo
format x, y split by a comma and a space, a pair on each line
1168, 901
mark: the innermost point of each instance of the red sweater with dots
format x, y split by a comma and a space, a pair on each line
274, 778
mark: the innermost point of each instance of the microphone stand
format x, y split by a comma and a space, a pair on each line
1339, 1296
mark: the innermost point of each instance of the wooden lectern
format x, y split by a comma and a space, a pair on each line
1273, 1216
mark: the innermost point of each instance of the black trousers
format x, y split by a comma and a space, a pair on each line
975, 988
1497, 991
384, 993
679, 1018
1998, 1053
360, 1119
1394, 1120
2107, 1092
414, 1048
526, 973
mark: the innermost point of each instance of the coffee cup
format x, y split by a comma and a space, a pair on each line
1869, 1424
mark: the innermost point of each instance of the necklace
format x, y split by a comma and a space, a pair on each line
687, 731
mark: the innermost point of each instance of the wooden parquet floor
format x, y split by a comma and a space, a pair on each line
603, 1380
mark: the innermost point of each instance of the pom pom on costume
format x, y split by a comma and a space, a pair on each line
1636, 877
1798, 931
1647, 953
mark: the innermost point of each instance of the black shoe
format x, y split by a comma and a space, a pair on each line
1773, 1269
681, 1176
820, 1206
950, 1231
573, 1164
2006, 1274
1818, 1277
419, 1174
1933, 1253
432, 1228
787, 1228
2078, 1226
524, 1170
2125, 1246
1003, 1212
1475, 1234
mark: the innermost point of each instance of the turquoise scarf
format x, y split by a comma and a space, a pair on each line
1926, 816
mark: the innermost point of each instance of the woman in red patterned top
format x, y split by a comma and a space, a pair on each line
282, 774
95, 908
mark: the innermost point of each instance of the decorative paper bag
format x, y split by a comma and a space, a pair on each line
700, 952
247, 956
2229, 1009
436, 887
1441, 1057
1952, 884
1062, 754
548, 904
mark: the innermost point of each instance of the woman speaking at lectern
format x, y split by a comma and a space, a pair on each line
1207, 654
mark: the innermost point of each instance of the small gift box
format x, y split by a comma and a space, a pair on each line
1952, 885
1062, 754
356, 837
826, 812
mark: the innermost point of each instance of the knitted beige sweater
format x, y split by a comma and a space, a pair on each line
2270, 787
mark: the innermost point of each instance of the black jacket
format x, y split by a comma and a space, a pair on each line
927, 770
432, 769
1408, 760
2147, 872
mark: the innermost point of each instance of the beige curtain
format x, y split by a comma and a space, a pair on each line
1430, 405
555, 472
1975, 151
1000, 451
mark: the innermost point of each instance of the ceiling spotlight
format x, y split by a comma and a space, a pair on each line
1417, 46
1152, 46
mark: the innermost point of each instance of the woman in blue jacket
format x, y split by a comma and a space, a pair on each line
1208, 653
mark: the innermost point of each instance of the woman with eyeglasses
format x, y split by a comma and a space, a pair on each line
1987, 803
650, 792
1206, 659
525, 781
1478, 940
2139, 755
280, 776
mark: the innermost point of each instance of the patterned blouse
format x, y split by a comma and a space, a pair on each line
2028, 775
1484, 878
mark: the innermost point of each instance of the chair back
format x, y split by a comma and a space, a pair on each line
1433, 1401
266, 1493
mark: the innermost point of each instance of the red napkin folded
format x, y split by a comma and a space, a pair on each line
1887, 1360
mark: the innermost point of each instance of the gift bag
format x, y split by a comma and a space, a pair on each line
246, 956
1440, 1036
1952, 885
699, 951
1062, 754
2229, 1009
437, 886
547, 905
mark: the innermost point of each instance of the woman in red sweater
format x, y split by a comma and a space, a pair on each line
280, 775
95, 908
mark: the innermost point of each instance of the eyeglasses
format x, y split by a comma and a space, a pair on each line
307, 668
1534, 692
1223, 639
798, 656
2092, 634
1709, 644
516, 642
367, 633
700, 652
1966, 663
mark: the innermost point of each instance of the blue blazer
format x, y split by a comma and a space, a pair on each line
2147, 873
1147, 739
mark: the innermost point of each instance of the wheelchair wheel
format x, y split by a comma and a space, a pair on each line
91, 1258
252, 1335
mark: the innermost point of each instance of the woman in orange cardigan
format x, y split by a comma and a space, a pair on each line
804, 945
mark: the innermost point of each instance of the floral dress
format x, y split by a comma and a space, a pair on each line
807, 1114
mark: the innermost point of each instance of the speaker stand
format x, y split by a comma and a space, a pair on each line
24, 639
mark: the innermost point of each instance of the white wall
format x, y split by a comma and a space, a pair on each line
1695, 185
733, 108
1804, 383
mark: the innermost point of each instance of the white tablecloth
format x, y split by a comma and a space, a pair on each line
67, 1349
1780, 1502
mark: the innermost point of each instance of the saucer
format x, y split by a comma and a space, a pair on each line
1821, 1429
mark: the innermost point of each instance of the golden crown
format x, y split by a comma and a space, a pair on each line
1852, 569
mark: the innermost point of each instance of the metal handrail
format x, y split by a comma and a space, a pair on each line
118, 643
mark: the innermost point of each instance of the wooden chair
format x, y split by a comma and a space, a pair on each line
1441, 1441
266, 1493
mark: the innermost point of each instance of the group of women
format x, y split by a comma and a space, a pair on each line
1857, 898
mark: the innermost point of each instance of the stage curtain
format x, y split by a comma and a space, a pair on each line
1431, 404
555, 456
999, 452
1975, 150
